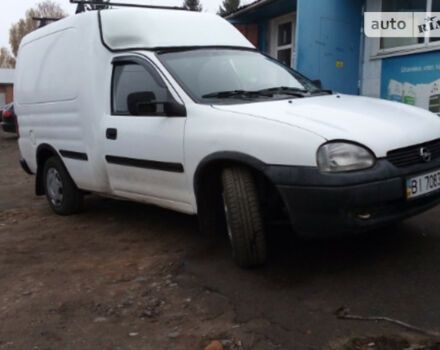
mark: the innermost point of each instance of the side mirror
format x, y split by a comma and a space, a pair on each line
140, 103
145, 103
317, 83
174, 109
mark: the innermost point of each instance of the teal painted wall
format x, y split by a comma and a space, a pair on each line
328, 42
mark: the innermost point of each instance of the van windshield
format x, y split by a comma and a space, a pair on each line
233, 76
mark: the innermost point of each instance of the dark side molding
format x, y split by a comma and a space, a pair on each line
74, 155
146, 164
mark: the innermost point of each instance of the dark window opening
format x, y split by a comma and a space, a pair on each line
133, 79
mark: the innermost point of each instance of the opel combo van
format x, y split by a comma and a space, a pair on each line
178, 109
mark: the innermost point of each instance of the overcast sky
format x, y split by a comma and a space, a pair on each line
12, 10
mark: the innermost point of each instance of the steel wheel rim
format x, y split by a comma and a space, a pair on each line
54, 186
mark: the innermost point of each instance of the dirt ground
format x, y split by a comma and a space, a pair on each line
123, 275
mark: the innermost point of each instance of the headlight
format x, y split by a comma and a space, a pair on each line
343, 156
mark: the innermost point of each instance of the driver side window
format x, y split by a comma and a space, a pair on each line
132, 82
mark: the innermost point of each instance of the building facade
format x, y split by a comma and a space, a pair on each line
6, 86
324, 39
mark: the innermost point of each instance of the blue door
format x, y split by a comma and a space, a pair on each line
328, 42
339, 55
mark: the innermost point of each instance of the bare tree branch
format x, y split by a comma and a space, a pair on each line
344, 313
6, 59
26, 25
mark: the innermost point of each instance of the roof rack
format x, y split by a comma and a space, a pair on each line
45, 20
84, 5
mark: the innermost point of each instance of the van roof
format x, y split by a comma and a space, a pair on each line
157, 28
149, 29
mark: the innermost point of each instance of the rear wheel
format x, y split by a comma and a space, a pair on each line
243, 217
61, 192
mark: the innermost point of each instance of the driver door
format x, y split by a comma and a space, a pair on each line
144, 151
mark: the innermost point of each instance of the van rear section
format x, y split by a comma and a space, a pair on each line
56, 103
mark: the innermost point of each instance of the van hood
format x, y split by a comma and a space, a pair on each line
378, 124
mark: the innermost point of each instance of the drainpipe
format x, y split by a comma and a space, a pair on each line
297, 22
361, 50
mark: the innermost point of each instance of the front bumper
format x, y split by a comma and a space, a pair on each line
321, 204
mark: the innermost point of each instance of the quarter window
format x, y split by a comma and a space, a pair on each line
132, 78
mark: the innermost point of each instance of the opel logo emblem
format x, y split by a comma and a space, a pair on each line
425, 154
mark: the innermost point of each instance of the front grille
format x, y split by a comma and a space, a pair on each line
411, 155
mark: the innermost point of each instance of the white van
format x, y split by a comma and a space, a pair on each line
179, 110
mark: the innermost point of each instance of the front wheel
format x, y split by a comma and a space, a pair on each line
61, 192
243, 217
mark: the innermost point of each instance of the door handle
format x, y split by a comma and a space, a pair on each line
111, 133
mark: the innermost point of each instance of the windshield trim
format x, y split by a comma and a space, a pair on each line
171, 49
296, 74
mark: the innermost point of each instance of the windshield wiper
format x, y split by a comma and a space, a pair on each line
281, 90
233, 93
270, 92
323, 92
285, 90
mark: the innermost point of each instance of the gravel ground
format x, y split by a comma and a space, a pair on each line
123, 275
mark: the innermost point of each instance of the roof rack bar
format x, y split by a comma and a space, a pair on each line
45, 20
118, 4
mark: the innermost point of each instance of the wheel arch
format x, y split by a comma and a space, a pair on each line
43, 153
219, 160
207, 184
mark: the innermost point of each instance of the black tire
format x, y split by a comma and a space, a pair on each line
243, 217
68, 199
